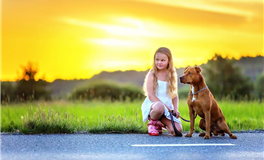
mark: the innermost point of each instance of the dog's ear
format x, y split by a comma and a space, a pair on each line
198, 69
185, 69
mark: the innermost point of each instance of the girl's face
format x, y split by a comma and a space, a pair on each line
161, 61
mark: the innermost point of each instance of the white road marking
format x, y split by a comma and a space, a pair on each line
182, 145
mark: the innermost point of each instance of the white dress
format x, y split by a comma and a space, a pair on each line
164, 97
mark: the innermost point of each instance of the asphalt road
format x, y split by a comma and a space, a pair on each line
131, 146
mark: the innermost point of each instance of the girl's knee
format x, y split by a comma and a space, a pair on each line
156, 111
158, 107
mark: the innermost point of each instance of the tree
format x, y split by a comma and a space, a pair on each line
259, 87
225, 79
27, 86
7, 92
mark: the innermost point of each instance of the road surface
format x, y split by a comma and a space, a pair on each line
131, 147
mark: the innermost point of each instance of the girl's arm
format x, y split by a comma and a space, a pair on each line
175, 102
149, 86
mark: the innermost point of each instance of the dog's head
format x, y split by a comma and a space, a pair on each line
192, 75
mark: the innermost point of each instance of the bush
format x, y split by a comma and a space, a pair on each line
183, 92
106, 90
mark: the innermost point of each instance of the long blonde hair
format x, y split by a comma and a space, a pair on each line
172, 76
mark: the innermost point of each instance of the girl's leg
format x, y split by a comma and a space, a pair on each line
169, 126
159, 126
156, 111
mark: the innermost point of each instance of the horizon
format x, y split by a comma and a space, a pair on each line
131, 70
79, 39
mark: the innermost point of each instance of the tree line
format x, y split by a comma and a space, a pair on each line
227, 80
224, 79
27, 88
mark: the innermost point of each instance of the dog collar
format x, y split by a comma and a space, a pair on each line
198, 91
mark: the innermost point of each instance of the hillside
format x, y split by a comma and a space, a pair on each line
131, 76
250, 66
61, 88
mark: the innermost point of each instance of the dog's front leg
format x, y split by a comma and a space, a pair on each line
192, 120
207, 124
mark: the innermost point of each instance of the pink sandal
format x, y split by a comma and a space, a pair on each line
152, 128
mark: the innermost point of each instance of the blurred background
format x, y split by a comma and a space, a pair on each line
86, 50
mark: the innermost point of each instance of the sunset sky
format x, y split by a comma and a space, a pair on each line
76, 39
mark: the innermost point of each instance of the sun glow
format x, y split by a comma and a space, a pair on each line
77, 39
125, 26
114, 42
216, 6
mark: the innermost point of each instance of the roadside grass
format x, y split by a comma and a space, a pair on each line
111, 117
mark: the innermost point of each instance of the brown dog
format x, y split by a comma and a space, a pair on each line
202, 102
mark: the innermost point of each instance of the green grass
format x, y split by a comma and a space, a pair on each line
108, 117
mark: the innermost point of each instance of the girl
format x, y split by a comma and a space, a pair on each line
160, 87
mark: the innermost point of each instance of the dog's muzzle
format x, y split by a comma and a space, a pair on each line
181, 79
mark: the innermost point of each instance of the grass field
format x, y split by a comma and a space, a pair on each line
108, 117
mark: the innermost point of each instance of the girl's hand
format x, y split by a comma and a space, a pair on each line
177, 113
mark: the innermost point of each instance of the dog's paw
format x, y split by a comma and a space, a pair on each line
202, 134
233, 136
223, 134
215, 133
188, 135
206, 137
